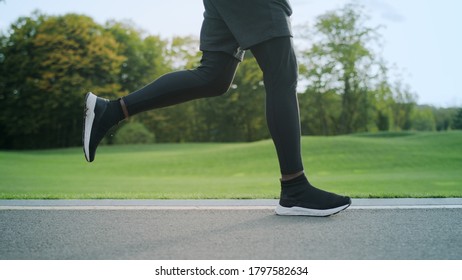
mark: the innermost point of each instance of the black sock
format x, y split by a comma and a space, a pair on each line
113, 114
299, 192
296, 186
299, 179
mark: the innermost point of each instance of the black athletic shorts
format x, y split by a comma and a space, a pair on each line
234, 25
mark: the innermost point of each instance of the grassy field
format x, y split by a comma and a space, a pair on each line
362, 165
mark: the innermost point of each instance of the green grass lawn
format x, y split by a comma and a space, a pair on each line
362, 165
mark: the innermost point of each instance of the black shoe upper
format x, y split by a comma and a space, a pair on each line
98, 127
300, 193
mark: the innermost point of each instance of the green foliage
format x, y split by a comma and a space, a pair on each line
183, 52
341, 61
134, 133
319, 112
423, 119
348, 87
458, 120
143, 56
49, 63
444, 117
401, 106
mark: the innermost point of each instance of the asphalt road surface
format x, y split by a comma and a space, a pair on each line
162, 234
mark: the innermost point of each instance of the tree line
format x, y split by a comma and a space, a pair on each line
48, 63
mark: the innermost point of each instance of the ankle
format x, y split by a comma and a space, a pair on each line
295, 183
288, 177
123, 106
113, 114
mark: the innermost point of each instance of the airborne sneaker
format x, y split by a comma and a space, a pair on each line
300, 198
93, 128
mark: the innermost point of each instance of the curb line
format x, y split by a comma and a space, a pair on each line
218, 204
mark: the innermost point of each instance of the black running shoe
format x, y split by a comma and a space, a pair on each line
300, 198
93, 130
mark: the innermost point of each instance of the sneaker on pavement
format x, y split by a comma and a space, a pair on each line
300, 198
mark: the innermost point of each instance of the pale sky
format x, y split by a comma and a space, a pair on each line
422, 37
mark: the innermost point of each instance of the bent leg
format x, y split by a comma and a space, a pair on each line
276, 58
212, 78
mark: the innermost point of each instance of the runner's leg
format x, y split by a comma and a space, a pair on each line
212, 78
277, 60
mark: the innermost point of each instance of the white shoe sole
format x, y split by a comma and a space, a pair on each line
90, 103
300, 211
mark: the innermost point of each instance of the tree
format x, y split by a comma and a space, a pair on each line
320, 111
134, 133
348, 89
48, 64
457, 124
423, 119
444, 117
144, 55
320, 105
401, 107
15, 66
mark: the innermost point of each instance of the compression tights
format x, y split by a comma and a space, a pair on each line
214, 76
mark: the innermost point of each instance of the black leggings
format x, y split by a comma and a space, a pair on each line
213, 77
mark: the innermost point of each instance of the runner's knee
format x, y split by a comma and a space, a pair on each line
217, 72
